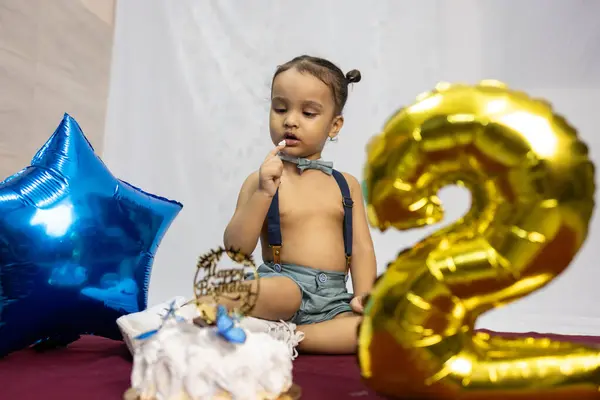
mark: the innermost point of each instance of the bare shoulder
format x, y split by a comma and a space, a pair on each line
353, 183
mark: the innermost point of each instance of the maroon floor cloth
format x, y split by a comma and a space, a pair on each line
98, 369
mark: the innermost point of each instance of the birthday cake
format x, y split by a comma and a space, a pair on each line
181, 360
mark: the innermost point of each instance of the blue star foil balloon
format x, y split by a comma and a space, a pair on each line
76, 245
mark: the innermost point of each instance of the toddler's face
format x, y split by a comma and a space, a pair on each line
302, 113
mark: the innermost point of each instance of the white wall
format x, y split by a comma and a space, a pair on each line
54, 58
188, 103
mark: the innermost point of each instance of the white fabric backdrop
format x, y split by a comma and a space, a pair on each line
188, 106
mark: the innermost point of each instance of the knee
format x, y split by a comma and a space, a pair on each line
292, 302
279, 299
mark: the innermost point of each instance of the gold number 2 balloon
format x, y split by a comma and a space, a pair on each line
532, 188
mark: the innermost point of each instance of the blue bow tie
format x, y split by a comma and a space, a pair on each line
304, 164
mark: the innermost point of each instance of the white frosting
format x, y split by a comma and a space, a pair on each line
183, 361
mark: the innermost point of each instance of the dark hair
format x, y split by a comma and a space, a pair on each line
328, 73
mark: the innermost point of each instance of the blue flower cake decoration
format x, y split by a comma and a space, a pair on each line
170, 315
227, 327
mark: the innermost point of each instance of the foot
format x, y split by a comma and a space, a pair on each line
135, 324
280, 330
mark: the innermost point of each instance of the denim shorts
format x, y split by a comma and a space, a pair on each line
324, 293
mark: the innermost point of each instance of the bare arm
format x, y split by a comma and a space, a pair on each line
364, 265
243, 231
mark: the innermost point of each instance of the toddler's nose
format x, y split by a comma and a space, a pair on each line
291, 122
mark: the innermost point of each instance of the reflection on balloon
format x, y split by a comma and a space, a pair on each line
532, 187
76, 245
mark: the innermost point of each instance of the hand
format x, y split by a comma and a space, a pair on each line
269, 174
358, 303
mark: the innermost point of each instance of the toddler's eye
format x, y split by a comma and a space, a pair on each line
279, 110
309, 114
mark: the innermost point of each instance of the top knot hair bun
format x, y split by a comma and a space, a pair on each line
353, 76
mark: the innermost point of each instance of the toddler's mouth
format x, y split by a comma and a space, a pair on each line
291, 139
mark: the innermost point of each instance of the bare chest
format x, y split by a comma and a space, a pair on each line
310, 197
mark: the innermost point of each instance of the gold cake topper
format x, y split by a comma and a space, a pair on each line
216, 281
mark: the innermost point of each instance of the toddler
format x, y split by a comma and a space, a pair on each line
309, 217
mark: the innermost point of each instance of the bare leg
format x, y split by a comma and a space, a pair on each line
337, 336
278, 298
